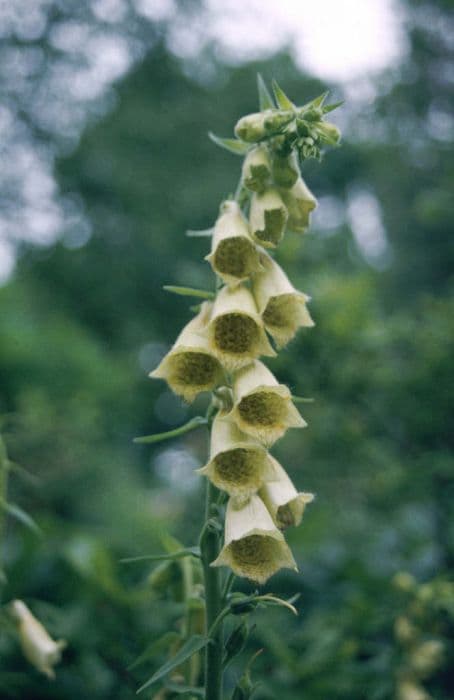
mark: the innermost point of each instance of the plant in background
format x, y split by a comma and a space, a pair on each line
250, 499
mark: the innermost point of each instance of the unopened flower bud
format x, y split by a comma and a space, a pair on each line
234, 255
37, 646
282, 307
236, 333
238, 464
257, 169
251, 128
329, 133
253, 548
299, 201
268, 217
190, 366
277, 119
285, 170
283, 501
262, 407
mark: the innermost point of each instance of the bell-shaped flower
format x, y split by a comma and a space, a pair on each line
282, 307
190, 367
257, 126
299, 201
267, 218
283, 501
234, 255
262, 407
285, 170
37, 645
257, 169
236, 333
253, 546
238, 464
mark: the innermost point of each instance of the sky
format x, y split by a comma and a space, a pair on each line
344, 41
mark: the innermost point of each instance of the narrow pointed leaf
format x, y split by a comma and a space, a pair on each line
281, 98
189, 648
202, 233
232, 145
154, 648
187, 552
189, 291
185, 690
176, 432
331, 108
318, 101
20, 515
265, 99
301, 399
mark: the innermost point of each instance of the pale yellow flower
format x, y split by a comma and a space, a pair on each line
37, 646
236, 334
253, 546
282, 307
300, 202
283, 501
411, 690
267, 218
190, 367
238, 464
262, 407
256, 170
234, 255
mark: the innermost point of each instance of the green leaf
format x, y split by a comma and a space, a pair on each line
189, 291
185, 690
159, 437
318, 101
330, 108
189, 648
202, 233
232, 145
265, 99
154, 648
301, 399
187, 552
20, 515
281, 98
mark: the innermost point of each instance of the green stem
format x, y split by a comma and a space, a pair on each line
4, 468
213, 602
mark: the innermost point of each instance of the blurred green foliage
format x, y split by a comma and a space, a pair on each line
81, 326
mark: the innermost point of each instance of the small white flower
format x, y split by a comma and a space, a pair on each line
253, 546
282, 307
238, 464
256, 170
268, 217
236, 334
190, 367
37, 646
234, 255
262, 407
283, 501
299, 201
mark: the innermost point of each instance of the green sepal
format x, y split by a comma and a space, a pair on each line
265, 99
319, 101
235, 146
187, 552
189, 648
20, 515
281, 98
154, 648
189, 291
195, 422
235, 642
331, 108
185, 690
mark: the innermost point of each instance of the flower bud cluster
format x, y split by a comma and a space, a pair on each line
256, 311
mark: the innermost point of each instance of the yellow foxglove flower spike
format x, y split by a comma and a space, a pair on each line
262, 407
234, 255
190, 367
300, 202
282, 307
37, 646
268, 217
285, 170
283, 501
236, 334
238, 464
256, 171
253, 546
